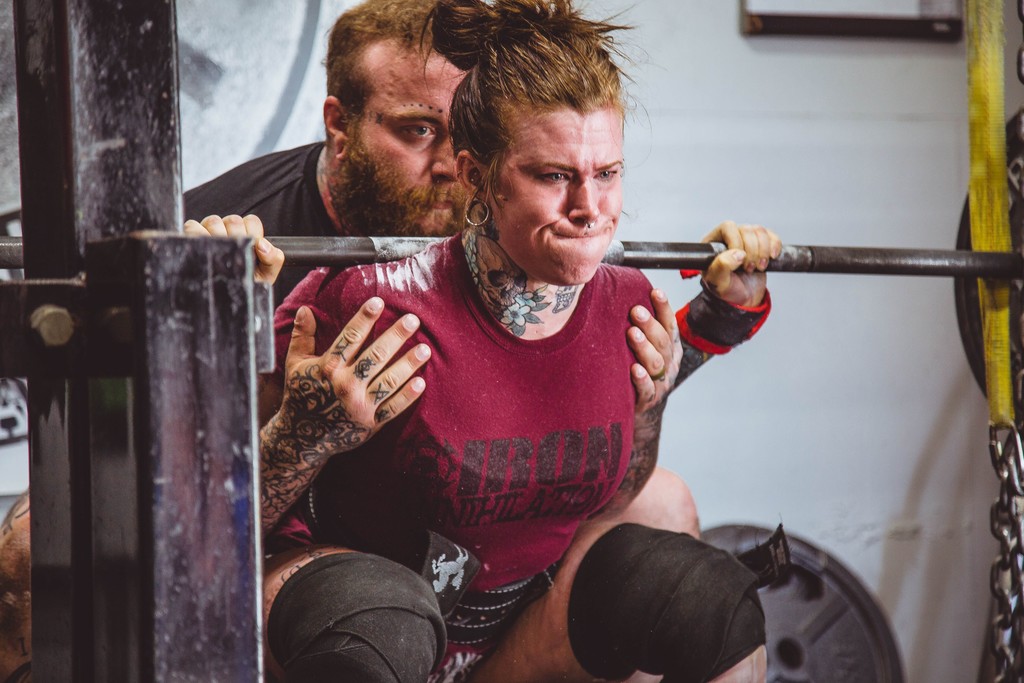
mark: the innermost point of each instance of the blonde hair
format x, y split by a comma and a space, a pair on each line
537, 55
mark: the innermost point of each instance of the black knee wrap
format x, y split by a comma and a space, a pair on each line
663, 603
356, 617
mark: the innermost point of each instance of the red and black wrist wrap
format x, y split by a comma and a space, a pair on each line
713, 325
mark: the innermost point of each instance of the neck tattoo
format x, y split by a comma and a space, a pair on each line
564, 298
501, 283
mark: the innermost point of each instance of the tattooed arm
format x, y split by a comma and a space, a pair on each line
15, 596
664, 360
647, 430
642, 460
334, 402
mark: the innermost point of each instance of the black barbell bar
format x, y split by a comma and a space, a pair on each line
349, 251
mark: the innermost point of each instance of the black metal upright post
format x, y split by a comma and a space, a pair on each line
174, 496
58, 437
145, 545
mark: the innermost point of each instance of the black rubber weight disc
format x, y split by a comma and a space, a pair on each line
968, 309
823, 625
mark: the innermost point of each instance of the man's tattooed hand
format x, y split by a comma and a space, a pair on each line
311, 426
334, 402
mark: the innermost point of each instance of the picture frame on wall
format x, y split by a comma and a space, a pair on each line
938, 20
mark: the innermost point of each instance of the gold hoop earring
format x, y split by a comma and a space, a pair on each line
473, 205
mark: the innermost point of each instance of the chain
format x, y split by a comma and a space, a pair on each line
1007, 526
1007, 514
1020, 50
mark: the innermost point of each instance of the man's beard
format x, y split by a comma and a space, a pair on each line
369, 199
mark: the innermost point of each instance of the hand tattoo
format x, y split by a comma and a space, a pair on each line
340, 348
363, 367
296, 443
380, 393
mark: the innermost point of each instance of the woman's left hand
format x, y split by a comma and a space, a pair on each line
737, 274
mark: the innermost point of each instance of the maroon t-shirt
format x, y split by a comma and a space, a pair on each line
513, 442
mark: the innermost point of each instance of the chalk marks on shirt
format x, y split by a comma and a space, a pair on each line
408, 275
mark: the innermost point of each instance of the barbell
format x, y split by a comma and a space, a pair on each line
349, 251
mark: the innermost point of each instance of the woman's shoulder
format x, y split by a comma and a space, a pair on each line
417, 274
622, 280
421, 275
330, 284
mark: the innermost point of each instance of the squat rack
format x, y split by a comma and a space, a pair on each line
145, 541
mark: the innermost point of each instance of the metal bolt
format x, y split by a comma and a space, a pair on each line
53, 324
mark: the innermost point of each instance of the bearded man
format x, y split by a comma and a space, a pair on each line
386, 166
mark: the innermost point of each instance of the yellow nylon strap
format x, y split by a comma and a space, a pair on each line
989, 204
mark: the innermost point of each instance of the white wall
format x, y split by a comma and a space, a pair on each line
852, 417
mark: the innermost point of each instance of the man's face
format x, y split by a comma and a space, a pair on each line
397, 170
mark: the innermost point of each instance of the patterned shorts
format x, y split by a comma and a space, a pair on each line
479, 620
456, 669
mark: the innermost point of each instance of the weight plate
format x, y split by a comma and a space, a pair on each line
968, 308
823, 625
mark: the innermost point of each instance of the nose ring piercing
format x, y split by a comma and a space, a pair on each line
588, 226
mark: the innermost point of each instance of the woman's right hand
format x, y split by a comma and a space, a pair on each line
269, 259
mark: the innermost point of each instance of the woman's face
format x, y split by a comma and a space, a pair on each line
559, 193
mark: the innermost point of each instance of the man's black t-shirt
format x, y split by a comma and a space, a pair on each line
281, 189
